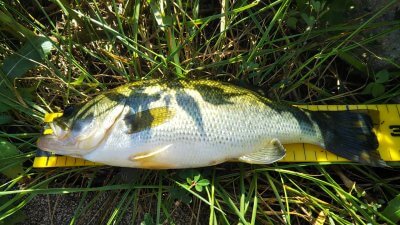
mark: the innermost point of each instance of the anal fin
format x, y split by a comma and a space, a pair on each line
267, 155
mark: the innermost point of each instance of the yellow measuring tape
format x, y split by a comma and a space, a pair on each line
387, 129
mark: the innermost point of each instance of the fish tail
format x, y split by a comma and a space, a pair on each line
350, 135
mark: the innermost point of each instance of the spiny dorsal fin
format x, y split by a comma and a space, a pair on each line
269, 154
148, 119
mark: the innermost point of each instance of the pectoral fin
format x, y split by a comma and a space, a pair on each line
269, 154
148, 119
149, 154
150, 160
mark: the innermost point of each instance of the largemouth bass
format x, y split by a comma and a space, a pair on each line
181, 124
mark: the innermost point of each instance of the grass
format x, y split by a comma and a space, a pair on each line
298, 52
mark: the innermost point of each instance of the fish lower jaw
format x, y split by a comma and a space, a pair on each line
52, 145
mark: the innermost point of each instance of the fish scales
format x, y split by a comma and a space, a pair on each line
199, 121
184, 124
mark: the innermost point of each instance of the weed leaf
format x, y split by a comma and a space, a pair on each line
354, 61
392, 211
4, 107
5, 118
292, 22
8, 150
148, 220
382, 76
377, 89
198, 188
157, 12
32, 53
316, 5
180, 194
16, 218
203, 182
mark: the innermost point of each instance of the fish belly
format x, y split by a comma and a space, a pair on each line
166, 155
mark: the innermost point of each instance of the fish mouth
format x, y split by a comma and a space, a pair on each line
65, 143
54, 144
42, 144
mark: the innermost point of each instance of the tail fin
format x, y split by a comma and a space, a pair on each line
349, 134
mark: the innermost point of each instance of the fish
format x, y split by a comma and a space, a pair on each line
158, 124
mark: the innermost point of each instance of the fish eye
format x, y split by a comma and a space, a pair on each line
68, 111
64, 121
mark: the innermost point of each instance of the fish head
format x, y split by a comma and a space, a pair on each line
82, 129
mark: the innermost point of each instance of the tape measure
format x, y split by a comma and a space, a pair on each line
386, 119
